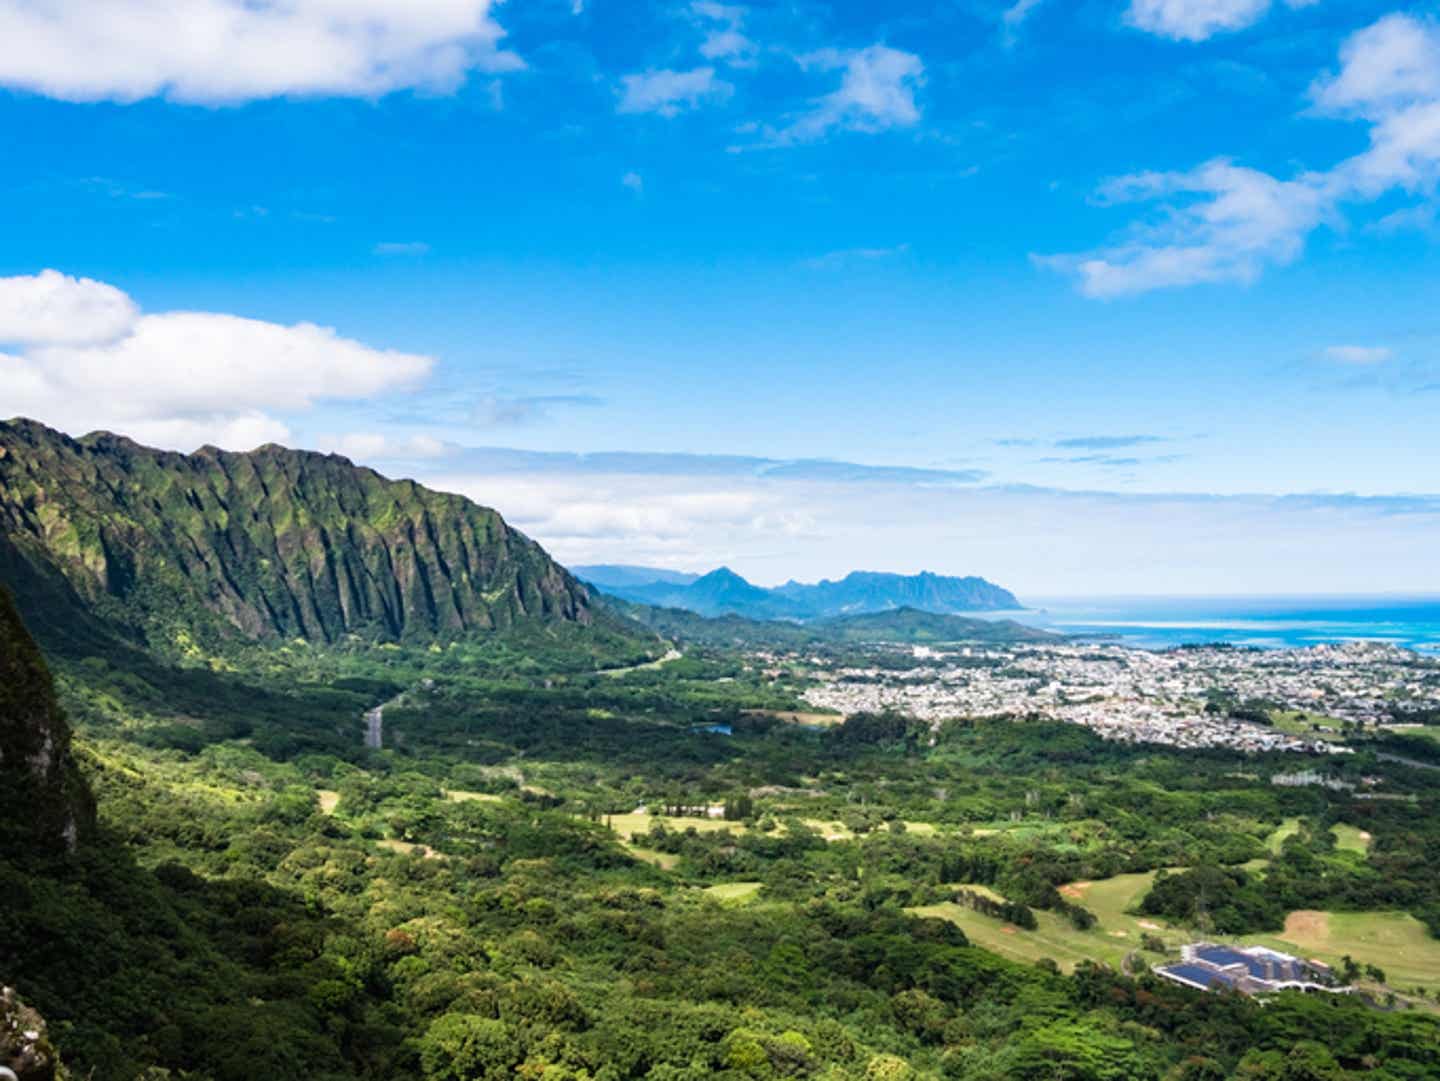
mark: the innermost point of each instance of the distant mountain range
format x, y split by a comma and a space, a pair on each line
904, 626
723, 592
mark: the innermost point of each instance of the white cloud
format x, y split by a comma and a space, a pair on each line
1359, 354
227, 51
876, 92
1014, 17
669, 92
1226, 223
1196, 20
184, 378
687, 512
1390, 63
634, 181
724, 38
51, 308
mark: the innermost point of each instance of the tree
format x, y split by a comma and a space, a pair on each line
464, 1047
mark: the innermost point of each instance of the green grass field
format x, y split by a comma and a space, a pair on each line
1115, 934
666, 861
1289, 828
459, 796
1301, 724
734, 893
1393, 941
1396, 942
632, 825
1351, 838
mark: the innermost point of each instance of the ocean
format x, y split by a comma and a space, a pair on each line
1266, 622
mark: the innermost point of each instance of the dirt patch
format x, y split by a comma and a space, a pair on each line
1149, 925
1008, 930
1307, 926
1117, 934
1076, 890
1365, 836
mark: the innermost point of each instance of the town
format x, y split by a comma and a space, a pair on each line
1298, 700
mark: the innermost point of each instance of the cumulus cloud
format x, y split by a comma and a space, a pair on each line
671, 92
634, 182
51, 308
1194, 20
178, 379
1359, 354
1223, 222
228, 51
1390, 63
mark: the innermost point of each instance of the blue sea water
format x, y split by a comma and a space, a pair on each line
1266, 622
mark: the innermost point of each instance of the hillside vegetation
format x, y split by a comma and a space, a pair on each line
273, 543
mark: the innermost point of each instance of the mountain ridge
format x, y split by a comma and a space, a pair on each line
269, 543
722, 592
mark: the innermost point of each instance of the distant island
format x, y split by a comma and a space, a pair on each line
723, 592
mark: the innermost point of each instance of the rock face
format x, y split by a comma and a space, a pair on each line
24, 1045
270, 543
43, 799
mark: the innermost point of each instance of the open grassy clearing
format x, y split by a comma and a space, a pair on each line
1289, 828
1393, 941
797, 717
329, 800
672, 655
1053, 938
735, 893
666, 861
632, 825
1115, 934
838, 831
405, 848
458, 796
1302, 725
1351, 838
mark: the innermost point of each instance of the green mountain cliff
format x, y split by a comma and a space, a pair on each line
270, 543
43, 799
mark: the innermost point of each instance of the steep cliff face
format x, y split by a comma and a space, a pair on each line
269, 543
43, 799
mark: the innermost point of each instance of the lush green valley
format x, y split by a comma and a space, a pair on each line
559, 848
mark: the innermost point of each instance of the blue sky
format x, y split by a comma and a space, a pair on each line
1108, 276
